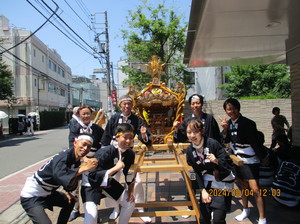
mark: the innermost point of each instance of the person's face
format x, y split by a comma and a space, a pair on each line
276, 112
232, 112
85, 115
125, 141
196, 106
82, 147
126, 107
194, 135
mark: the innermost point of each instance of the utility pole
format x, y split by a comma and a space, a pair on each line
104, 49
107, 56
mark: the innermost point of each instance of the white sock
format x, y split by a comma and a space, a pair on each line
262, 221
186, 216
243, 215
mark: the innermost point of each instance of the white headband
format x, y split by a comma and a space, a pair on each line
86, 137
125, 99
195, 97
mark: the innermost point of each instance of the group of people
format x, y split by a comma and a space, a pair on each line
97, 158
215, 172
26, 125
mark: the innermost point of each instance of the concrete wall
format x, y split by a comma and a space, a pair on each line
259, 111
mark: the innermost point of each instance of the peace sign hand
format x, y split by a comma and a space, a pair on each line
224, 123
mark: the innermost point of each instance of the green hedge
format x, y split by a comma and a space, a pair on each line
51, 119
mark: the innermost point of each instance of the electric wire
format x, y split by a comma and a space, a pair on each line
31, 33
41, 73
83, 8
69, 26
78, 16
35, 69
83, 48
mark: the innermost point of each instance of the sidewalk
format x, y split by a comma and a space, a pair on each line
158, 187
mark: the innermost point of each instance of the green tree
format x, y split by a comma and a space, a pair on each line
6, 85
154, 30
270, 81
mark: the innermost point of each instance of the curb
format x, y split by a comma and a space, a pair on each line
15, 214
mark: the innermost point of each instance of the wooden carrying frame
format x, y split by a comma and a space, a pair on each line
175, 164
160, 107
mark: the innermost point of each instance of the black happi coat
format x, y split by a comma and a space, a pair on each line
211, 128
134, 120
107, 158
246, 134
97, 133
59, 171
215, 148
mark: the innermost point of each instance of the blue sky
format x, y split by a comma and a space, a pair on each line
22, 15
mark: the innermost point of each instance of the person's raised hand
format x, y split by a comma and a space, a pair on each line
176, 125
224, 123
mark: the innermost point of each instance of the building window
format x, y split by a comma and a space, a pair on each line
52, 65
35, 82
62, 92
43, 58
34, 53
51, 88
60, 71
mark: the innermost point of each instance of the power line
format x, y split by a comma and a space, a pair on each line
69, 26
83, 48
35, 69
31, 33
83, 8
78, 16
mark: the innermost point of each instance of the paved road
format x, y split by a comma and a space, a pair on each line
20, 157
22, 151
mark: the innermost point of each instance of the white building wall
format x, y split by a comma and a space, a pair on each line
207, 80
27, 81
121, 90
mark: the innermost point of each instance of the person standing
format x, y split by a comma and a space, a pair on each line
126, 116
242, 135
73, 125
30, 123
278, 122
211, 126
21, 125
82, 124
40, 190
213, 169
144, 135
111, 160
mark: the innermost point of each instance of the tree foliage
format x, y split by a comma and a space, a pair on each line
6, 85
258, 80
154, 30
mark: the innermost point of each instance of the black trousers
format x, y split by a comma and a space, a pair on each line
38, 215
219, 206
219, 215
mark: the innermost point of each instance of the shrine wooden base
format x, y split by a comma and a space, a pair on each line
175, 164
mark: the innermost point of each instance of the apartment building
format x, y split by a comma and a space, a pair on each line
41, 79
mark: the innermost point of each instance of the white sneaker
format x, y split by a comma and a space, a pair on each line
243, 215
262, 221
115, 213
146, 219
186, 216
